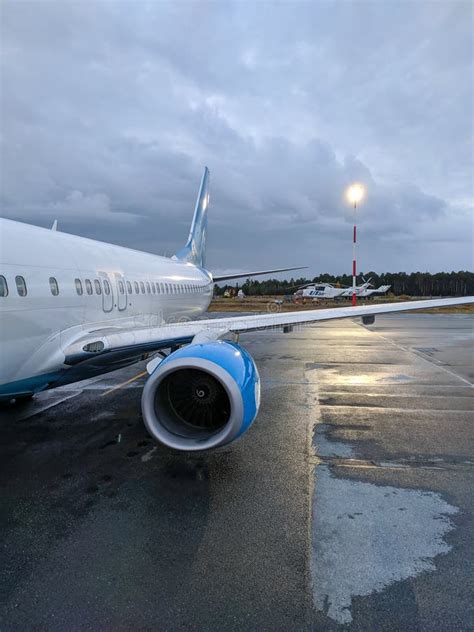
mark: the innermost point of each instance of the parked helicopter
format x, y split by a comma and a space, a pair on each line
317, 291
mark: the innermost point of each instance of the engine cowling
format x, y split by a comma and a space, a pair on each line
202, 396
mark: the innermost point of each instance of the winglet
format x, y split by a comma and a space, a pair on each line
55, 225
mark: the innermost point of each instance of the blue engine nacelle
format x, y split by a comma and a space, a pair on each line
202, 396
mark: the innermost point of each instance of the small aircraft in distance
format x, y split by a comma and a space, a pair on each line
72, 308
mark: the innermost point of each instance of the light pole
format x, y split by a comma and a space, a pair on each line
354, 193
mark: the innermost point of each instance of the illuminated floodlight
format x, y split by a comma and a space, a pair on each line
355, 193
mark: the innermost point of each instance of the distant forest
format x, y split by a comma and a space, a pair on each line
414, 284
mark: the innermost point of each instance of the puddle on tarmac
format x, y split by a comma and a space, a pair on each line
366, 537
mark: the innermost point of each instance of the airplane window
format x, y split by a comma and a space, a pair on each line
166, 288
20, 285
98, 287
137, 289
162, 287
88, 287
106, 287
3, 286
53, 285
147, 288
129, 287
153, 288
158, 289
121, 287
79, 289
142, 287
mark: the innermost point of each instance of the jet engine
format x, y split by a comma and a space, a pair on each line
202, 396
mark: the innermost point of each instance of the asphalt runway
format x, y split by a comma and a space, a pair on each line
347, 506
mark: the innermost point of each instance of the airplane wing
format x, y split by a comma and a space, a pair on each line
241, 275
115, 345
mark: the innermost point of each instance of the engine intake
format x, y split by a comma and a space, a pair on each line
202, 396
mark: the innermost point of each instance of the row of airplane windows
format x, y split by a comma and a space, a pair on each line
140, 287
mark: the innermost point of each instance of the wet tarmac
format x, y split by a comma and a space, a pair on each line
347, 506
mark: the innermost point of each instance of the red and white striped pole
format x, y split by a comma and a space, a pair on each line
354, 265
354, 193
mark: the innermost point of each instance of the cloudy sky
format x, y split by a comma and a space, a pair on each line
110, 110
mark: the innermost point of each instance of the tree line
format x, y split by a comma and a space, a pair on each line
414, 284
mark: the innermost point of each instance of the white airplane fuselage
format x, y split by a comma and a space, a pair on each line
143, 290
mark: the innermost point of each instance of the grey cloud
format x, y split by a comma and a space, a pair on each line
110, 111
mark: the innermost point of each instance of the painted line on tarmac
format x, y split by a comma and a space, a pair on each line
421, 356
119, 386
41, 403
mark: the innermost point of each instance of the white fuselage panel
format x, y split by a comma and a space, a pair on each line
98, 284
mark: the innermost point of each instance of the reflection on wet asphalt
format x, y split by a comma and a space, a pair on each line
348, 505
